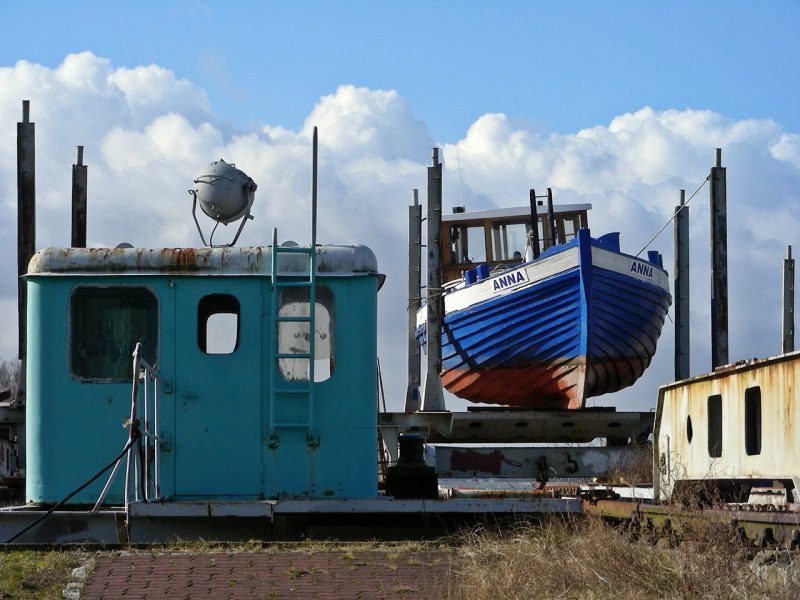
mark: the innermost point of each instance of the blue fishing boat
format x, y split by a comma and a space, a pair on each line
580, 320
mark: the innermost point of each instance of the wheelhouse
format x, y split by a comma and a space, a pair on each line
258, 395
498, 237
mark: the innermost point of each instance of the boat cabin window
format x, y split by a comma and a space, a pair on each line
715, 426
752, 420
105, 325
294, 338
218, 324
468, 240
509, 240
568, 227
467, 245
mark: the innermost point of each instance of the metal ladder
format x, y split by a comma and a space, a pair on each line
298, 391
279, 388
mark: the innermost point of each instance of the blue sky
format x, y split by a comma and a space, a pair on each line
618, 104
561, 65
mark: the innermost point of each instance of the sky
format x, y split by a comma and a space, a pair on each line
619, 104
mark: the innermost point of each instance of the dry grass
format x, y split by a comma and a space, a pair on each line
586, 558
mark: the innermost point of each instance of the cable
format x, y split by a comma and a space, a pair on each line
133, 438
380, 384
673, 216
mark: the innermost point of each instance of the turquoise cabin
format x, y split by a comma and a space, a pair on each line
250, 406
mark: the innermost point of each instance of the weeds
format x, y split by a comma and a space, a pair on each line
587, 558
29, 575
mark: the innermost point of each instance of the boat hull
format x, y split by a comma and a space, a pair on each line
580, 322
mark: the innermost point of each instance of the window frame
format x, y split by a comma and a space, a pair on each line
283, 368
217, 304
753, 421
151, 355
715, 419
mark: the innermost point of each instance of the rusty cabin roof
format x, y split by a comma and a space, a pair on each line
332, 260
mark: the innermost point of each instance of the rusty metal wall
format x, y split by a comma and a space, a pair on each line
681, 444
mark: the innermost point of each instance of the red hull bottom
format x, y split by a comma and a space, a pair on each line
536, 387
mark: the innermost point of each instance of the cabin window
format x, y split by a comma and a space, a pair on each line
752, 420
467, 244
509, 241
105, 325
569, 227
715, 426
218, 324
293, 334
543, 242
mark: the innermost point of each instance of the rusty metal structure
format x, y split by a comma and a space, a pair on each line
736, 429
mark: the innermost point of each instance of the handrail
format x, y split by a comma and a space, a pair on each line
142, 427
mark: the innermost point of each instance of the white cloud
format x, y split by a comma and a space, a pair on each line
787, 148
147, 134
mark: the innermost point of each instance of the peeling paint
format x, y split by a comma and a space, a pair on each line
332, 260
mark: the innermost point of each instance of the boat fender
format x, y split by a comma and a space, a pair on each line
483, 272
654, 256
470, 276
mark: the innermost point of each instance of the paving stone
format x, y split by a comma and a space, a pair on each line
283, 574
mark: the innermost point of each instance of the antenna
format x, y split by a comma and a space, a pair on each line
226, 195
460, 186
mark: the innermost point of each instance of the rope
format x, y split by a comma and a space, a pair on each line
660, 231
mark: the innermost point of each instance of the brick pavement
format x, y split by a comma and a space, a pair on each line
271, 574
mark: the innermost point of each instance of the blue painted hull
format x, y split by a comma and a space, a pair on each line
580, 321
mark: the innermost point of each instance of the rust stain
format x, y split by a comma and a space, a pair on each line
183, 259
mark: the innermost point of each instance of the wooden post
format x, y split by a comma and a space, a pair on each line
719, 264
26, 214
413, 400
681, 240
434, 397
787, 320
79, 181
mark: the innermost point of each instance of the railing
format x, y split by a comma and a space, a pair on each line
142, 452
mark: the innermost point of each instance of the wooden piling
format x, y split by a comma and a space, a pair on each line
79, 182
719, 264
681, 240
26, 214
787, 320
434, 397
413, 399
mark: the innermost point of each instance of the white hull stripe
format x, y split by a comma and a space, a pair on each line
515, 279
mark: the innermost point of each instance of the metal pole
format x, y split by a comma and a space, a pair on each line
719, 264
534, 226
413, 400
26, 215
551, 217
434, 397
681, 241
314, 191
79, 181
787, 320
